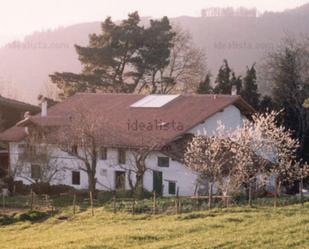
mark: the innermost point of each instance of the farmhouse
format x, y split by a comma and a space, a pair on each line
11, 111
122, 124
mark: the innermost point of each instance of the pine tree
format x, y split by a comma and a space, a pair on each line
287, 70
121, 58
226, 79
223, 83
236, 81
250, 89
204, 86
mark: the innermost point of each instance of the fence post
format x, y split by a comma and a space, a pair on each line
3, 200
177, 201
301, 191
133, 205
91, 203
210, 195
52, 207
46, 201
114, 202
31, 201
74, 203
154, 211
198, 202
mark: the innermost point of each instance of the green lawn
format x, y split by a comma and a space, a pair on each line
286, 227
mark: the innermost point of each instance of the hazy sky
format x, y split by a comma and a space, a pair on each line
21, 17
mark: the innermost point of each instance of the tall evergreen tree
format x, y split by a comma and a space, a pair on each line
204, 86
223, 83
287, 69
250, 88
120, 57
236, 81
226, 79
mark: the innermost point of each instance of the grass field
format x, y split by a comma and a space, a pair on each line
286, 227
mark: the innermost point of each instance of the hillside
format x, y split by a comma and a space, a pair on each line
241, 40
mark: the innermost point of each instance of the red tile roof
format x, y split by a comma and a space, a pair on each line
163, 124
6, 102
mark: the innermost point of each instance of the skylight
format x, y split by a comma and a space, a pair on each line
154, 101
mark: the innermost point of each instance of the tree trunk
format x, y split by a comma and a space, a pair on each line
92, 183
301, 183
277, 186
250, 194
139, 185
210, 195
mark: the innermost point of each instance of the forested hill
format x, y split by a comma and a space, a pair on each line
241, 40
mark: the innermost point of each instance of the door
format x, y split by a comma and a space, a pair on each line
4, 164
157, 182
120, 180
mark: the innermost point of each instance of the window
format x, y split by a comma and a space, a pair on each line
103, 172
21, 147
163, 161
74, 149
75, 177
121, 156
35, 171
103, 153
171, 188
120, 180
158, 182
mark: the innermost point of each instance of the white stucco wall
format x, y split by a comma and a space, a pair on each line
230, 117
184, 178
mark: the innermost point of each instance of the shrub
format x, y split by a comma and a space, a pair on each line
32, 216
6, 220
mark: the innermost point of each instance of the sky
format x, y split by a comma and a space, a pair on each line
19, 18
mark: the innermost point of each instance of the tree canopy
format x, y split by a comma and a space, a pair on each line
128, 57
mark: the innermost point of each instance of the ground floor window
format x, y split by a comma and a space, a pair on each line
75, 178
120, 180
158, 182
171, 188
35, 171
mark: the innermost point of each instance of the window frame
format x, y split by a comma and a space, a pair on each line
74, 149
160, 158
34, 167
122, 156
169, 188
103, 153
76, 174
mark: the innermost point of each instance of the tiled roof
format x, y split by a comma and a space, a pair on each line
163, 124
18, 104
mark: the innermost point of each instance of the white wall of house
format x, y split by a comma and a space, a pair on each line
184, 178
230, 117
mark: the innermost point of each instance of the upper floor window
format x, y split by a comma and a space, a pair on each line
74, 149
103, 153
121, 156
163, 161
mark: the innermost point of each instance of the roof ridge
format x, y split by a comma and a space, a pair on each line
17, 101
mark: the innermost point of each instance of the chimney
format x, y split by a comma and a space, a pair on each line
234, 90
27, 115
43, 103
